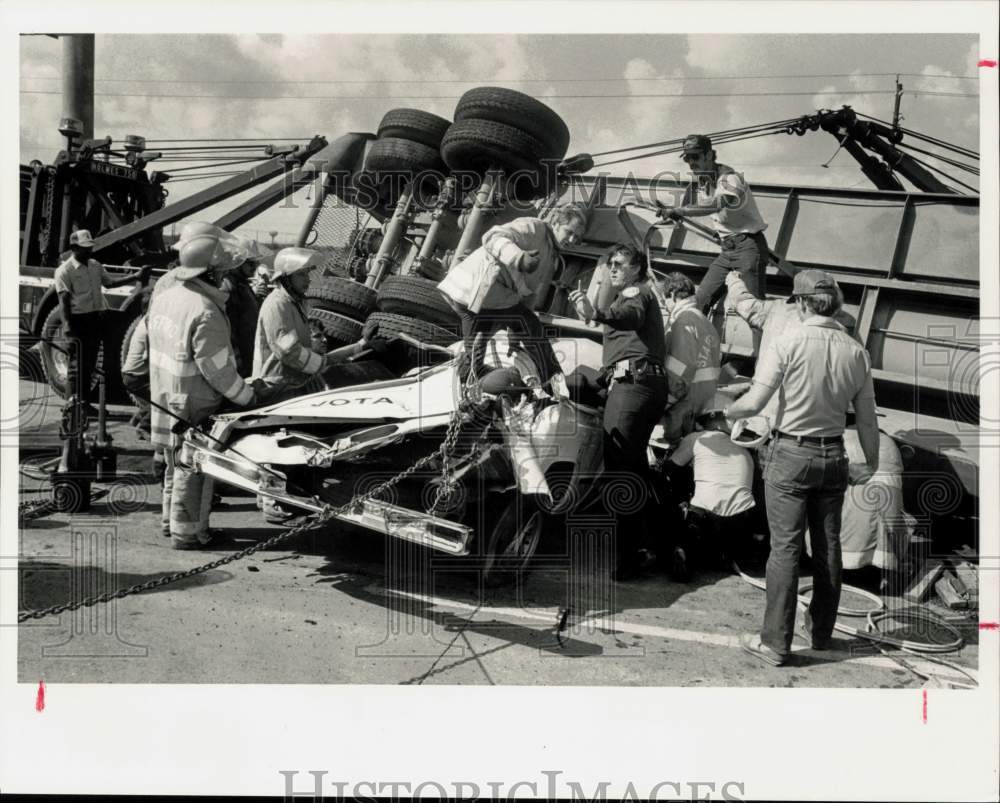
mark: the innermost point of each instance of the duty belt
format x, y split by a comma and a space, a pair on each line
630, 370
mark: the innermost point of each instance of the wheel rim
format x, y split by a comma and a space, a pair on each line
515, 554
525, 541
61, 363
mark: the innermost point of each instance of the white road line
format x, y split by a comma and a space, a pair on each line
548, 615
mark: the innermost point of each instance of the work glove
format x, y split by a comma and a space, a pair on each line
144, 273
667, 213
527, 261
379, 345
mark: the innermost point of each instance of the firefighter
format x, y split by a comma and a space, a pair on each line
284, 362
497, 285
633, 372
692, 358
192, 373
242, 306
724, 195
79, 283
819, 371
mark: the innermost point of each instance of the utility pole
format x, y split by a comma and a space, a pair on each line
895, 108
78, 80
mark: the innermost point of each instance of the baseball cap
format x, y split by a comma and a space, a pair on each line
812, 282
696, 143
82, 238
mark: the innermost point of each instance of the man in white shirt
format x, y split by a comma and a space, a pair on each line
718, 515
79, 284
723, 195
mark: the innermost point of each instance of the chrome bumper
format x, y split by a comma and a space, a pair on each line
399, 522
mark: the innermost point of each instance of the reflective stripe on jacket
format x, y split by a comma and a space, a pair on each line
281, 348
191, 362
693, 360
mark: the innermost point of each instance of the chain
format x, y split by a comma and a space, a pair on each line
313, 522
46, 233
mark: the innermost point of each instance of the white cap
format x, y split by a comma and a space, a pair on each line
82, 238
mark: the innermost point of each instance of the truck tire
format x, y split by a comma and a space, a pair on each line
393, 161
519, 110
478, 145
416, 297
343, 296
394, 154
415, 125
339, 329
123, 353
390, 324
55, 363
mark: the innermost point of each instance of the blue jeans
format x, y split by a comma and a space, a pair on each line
746, 253
803, 484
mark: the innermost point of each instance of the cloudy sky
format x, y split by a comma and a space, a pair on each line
612, 90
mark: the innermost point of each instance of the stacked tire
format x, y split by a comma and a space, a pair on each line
501, 129
406, 153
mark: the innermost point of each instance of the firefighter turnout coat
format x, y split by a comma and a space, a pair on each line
282, 357
192, 365
692, 367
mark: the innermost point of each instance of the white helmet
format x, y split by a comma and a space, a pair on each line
198, 254
191, 230
292, 260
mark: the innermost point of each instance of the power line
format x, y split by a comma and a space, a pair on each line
495, 81
609, 96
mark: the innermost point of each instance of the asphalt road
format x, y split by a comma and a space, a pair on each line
342, 605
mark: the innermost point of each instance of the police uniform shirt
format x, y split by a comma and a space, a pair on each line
816, 370
84, 283
633, 326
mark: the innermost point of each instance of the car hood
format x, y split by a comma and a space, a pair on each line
434, 391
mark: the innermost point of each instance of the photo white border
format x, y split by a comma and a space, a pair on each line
780, 744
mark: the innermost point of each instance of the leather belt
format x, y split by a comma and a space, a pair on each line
812, 440
729, 241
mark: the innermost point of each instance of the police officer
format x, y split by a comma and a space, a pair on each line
818, 370
192, 371
633, 370
79, 283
